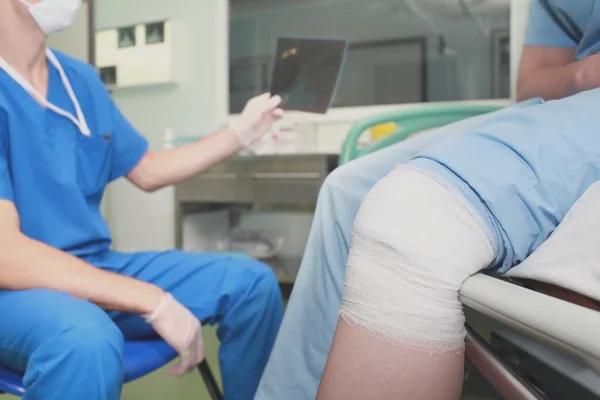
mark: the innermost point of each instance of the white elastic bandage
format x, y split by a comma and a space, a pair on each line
414, 243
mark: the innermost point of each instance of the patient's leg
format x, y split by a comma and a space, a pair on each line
401, 332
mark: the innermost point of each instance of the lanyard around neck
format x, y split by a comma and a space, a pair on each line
79, 120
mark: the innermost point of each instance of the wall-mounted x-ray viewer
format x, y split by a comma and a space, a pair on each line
155, 33
307, 72
126, 37
137, 55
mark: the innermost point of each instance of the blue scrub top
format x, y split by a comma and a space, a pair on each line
565, 23
54, 174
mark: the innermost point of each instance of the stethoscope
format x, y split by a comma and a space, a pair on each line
78, 120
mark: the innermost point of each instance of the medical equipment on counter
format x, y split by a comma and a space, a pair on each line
257, 244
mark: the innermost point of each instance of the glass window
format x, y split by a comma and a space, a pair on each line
401, 51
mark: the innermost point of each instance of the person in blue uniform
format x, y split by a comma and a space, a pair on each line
559, 59
68, 301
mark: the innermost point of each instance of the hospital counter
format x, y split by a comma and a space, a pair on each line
280, 181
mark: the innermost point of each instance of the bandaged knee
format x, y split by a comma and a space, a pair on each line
415, 241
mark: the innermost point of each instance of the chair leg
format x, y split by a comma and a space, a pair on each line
503, 378
210, 381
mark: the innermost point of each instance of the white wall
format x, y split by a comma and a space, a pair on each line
75, 40
145, 221
191, 106
519, 13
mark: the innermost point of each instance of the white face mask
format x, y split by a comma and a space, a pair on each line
54, 15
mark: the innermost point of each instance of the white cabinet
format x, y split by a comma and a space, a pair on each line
138, 55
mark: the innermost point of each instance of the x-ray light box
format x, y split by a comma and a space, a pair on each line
136, 55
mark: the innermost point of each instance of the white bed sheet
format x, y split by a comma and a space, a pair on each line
570, 258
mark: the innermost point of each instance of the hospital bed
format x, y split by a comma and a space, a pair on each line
558, 328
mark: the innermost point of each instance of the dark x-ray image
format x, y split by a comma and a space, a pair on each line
108, 75
126, 37
155, 32
307, 72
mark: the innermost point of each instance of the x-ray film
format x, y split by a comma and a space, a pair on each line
307, 72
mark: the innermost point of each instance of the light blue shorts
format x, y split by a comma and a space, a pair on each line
522, 169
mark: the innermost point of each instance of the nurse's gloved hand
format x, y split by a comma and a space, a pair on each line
257, 117
181, 330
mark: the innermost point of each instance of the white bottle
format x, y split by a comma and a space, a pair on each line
169, 138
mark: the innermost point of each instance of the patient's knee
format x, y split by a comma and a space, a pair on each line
413, 245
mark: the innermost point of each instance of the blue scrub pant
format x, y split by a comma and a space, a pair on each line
71, 349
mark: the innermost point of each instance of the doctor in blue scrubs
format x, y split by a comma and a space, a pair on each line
68, 302
559, 59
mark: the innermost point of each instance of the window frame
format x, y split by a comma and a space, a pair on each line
419, 40
346, 115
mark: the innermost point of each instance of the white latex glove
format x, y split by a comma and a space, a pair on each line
257, 117
180, 329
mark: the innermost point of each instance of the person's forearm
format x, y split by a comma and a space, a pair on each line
166, 167
552, 83
28, 264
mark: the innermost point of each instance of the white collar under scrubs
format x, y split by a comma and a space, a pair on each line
79, 119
